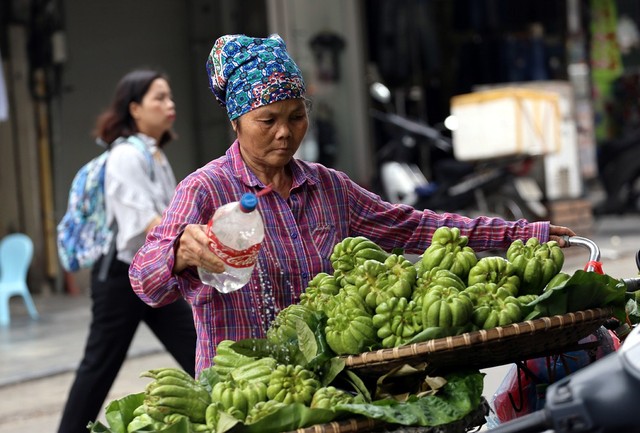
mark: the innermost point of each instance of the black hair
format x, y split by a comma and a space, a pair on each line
116, 121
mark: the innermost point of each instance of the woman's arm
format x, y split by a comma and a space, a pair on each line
401, 226
164, 269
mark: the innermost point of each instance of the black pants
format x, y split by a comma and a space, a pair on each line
117, 311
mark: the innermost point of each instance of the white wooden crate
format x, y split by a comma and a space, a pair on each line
507, 121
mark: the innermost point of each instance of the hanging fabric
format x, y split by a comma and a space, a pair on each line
606, 62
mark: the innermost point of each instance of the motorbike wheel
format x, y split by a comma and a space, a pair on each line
509, 208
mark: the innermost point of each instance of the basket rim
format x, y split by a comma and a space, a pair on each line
477, 338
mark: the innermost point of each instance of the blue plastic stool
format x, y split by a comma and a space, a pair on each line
16, 253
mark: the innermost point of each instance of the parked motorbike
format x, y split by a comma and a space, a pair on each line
601, 397
416, 166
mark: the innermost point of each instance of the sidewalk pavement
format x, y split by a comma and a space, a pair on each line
36, 354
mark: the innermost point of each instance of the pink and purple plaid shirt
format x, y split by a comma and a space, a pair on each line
323, 208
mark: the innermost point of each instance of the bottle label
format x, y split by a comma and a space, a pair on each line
234, 258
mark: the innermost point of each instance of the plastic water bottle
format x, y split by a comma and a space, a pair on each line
235, 234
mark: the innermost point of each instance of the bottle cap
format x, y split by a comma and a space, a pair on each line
248, 202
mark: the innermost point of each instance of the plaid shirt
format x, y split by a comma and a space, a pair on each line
323, 208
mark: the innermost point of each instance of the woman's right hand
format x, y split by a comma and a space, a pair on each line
193, 250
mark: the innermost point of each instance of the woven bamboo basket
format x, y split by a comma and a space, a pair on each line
477, 349
488, 348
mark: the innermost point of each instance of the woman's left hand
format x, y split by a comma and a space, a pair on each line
556, 233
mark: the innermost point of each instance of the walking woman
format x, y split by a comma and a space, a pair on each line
139, 184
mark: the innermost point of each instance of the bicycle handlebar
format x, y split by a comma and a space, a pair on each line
594, 252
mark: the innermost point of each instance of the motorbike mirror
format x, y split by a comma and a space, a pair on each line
380, 92
451, 123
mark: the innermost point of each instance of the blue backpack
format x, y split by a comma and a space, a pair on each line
83, 232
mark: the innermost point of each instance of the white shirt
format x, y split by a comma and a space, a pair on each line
132, 197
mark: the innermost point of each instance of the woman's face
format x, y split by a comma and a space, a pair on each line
271, 134
155, 114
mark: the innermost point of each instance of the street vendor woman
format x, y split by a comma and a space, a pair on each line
308, 211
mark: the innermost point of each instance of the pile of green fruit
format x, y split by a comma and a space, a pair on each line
376, 299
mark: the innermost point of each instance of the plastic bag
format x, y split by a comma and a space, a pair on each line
523, 390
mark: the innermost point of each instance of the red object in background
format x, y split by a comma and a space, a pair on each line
70, 284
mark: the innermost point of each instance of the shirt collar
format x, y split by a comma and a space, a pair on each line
149, 141
242, 171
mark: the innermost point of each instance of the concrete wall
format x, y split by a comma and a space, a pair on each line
298, 21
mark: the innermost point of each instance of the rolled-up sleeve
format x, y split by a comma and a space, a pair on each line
401, 226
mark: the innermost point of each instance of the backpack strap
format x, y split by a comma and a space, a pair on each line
111, 254
139, 144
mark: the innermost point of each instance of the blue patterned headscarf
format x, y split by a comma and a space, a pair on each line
246, 73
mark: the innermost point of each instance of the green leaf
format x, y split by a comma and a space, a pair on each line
208, 378
287, 418
142, 422
461, 394
119, 413
309, 349
329, 370
225, 422
306, 342
98, 427
582, 291
358, 385
398, 251
322, 363
633, 312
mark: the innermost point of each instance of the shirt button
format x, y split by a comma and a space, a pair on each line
305, 275
294, 235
